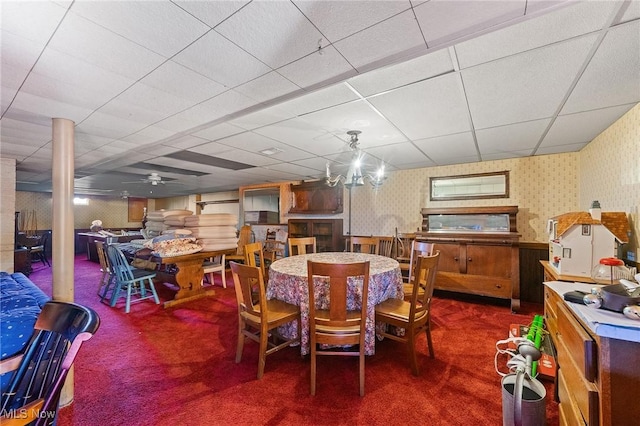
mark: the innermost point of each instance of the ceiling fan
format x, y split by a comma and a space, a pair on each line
154, 179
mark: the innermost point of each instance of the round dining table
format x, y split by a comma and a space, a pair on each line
288, 282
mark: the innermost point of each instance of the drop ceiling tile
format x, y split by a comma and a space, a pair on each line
180, 81
159, 103
444, 21
220, 60
320, 99
568, 22
47, 107
68, 93
218, 131
103, 48
15, 149
582, 127
185, 142
299, 133
429, 108
148, 135
261, 118
18, 55
220, 106
394, 36
512, 137
356, 115
267, 87
209, 12
35, 21
612, 76
212, 148
420, 68
445, 148
253, 142
632, 12
123, 146
109, 126
279, 32
314, 163
506, 155
559, 149
524, 87
145, 23
398, 154
70, 70
339, 19
294, 169
131, 111
538, 5
34, 134
246, 157
318, 68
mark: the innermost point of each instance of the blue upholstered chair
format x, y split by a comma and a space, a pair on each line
136, 282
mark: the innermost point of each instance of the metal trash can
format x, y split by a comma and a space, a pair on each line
523, 401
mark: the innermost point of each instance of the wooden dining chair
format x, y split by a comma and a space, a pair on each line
335, 325
403, 251
414, 316
244, 238
364, 245
105, 269
254, 256
259, 319
385, 246
418, 248
273, 249
302, 245
129, 281
215, 264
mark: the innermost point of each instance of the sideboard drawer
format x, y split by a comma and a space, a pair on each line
568, 411
583, 394
580, 346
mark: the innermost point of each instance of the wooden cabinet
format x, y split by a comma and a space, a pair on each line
598, 376
22, 261
316, 198
328, 232
479, 252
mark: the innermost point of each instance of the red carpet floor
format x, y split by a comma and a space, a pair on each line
176, 366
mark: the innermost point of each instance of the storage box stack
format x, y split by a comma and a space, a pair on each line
156, 220
216, 231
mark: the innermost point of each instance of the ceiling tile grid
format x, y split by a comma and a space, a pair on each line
427, 82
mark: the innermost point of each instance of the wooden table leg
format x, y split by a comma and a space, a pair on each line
189, 280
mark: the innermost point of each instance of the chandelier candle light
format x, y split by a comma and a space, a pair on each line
354, 176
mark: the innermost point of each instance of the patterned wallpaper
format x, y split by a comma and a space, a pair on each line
610, 172
541, 187
36, 212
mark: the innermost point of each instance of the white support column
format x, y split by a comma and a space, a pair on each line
62, 238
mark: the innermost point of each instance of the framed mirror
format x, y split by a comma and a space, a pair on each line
469, 187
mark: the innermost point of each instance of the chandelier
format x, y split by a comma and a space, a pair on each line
355, 176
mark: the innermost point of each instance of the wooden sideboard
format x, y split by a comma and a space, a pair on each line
475, 258
598, 355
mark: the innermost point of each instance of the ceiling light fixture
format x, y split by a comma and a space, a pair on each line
124, 195
355, 176
271, 151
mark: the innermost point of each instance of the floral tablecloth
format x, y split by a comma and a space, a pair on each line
288, 282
